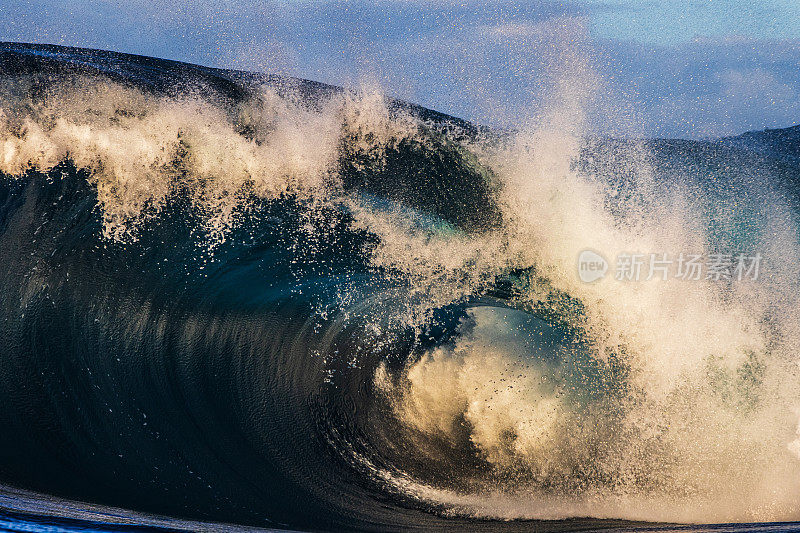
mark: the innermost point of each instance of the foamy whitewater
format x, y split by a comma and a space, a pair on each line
460, 367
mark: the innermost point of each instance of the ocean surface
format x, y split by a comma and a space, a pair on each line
233, 301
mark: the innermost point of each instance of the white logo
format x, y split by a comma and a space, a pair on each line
591, 266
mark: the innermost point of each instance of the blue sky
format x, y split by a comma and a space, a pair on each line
667, 68
678, 21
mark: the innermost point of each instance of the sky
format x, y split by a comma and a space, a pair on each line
692, 69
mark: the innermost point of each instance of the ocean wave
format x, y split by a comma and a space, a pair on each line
264, 301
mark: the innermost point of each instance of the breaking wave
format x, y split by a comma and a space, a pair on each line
236, 297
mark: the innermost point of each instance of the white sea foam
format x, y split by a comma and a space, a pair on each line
705, 430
